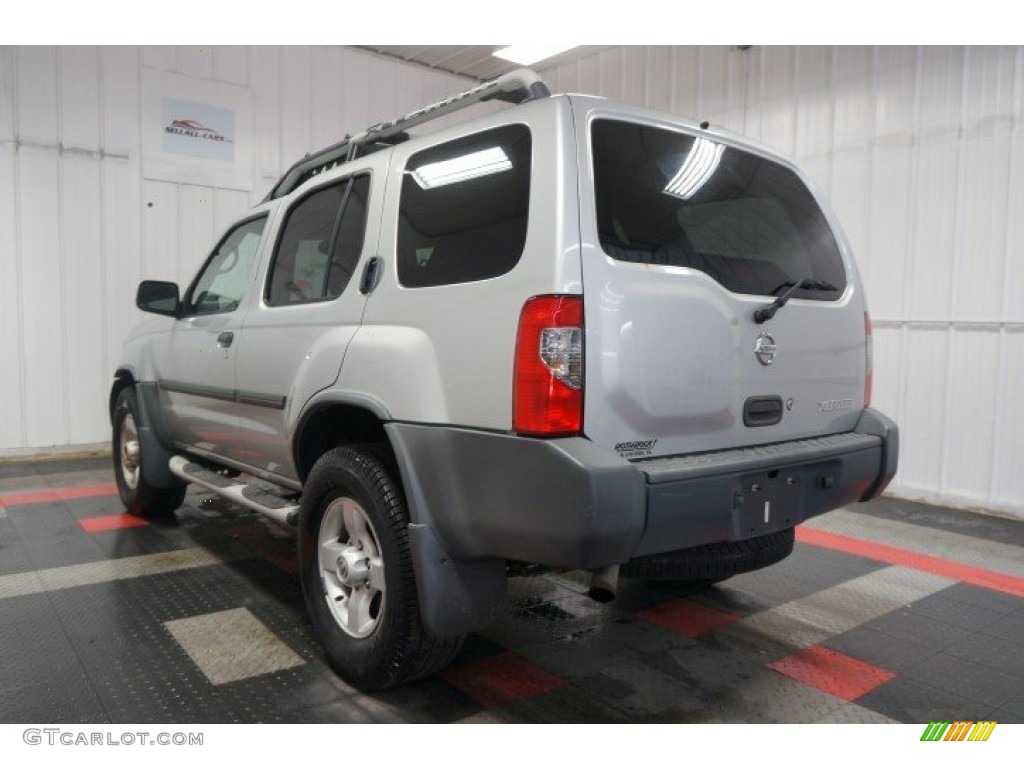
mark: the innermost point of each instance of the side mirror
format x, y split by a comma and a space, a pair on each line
158, 297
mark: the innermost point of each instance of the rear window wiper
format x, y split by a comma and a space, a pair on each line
806, 284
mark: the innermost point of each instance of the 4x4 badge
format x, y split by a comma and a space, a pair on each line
765, 349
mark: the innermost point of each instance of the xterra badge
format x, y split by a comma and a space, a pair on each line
825, 406
765, 349
635, 448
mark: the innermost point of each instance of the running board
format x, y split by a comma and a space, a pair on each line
279, 510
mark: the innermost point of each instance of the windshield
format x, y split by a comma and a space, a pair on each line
671, 199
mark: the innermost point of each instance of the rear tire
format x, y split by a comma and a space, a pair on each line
711, 563
357, 573
139, 497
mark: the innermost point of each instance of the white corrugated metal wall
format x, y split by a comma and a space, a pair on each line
80, 224
921, 151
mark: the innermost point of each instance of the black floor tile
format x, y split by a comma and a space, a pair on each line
633, 693
13, 556
990, 527
1011, 712
906, 625
984, 598
706, 665
614, 642
880, 649
101, 652
822, 568
90, 506
951, 611
773, 586
730, 598
68, 698
911, 701
29, 468
1009, 627
998, 653
430, 700
52, 537
571, 703
477, 647
986, 685
132, 542
354, 710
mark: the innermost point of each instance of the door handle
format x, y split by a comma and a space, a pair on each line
371, 275
225, 339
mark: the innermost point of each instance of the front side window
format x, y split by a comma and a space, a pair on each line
222, 282
320, 244
678, 200
463, 210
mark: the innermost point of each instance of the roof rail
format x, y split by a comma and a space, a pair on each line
517, 87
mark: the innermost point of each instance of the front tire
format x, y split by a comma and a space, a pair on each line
357, 573
139, 497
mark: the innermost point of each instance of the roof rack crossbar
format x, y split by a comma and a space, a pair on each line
518, 86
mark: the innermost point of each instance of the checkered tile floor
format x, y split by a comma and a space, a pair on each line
891, 611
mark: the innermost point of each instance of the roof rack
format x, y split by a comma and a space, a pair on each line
517, 87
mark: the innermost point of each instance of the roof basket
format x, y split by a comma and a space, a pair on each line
517, 87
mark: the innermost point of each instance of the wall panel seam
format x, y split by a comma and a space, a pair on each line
62, 250
958, 226
18, 252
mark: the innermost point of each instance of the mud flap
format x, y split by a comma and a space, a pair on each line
456, 596
155, 455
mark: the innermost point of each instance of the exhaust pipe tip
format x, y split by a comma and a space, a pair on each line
604, 584
601, 594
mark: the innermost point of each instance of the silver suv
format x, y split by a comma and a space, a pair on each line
571, 333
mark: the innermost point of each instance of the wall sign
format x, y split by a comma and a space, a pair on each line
196, 131
199, 130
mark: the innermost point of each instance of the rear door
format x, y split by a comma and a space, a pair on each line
685, 235
296, 331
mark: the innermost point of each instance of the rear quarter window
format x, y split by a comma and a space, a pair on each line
672, 199
463, 208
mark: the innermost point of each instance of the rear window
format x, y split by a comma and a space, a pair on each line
749, 223
463, 210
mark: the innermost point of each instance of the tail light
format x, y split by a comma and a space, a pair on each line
869, 360
548, 383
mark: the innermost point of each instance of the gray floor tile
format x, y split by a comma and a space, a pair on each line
911, 701
986, 685
880, 649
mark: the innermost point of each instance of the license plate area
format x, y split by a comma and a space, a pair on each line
766, 502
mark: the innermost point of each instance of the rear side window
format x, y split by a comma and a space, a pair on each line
320, 244
463, 210
749, 223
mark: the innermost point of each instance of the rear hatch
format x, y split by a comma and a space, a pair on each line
685, 235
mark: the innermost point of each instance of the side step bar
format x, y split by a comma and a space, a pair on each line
277, 509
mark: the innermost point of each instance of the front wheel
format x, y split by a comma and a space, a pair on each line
357, 573
139, 497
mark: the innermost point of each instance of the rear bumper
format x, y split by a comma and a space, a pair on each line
569, 503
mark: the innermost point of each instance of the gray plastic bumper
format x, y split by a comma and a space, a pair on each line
480, 498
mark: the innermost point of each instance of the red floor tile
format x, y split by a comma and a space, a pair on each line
969, 574
55, 494
687, 617
832, 672
110, 523
502, 679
